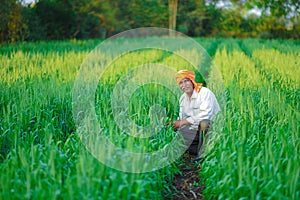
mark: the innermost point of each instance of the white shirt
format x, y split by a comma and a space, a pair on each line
199, 106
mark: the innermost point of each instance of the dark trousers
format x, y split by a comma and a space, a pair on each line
196, 139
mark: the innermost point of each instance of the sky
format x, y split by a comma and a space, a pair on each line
28, 1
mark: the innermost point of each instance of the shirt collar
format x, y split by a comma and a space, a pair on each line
194, 95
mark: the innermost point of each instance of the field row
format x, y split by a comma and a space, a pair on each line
254, 152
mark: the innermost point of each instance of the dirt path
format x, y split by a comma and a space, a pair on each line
187, 183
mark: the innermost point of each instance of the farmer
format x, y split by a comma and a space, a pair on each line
198, 105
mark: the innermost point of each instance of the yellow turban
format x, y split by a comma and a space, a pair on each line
190, 75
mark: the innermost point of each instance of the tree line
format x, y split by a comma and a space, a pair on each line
82, 19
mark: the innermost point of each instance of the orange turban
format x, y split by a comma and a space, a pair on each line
190, 75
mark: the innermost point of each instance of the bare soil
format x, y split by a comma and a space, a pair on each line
187, 183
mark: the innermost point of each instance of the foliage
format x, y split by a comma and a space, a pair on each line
254, 153
12, 26
82, 19
41, 156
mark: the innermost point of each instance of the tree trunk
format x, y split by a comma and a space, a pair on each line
172, 15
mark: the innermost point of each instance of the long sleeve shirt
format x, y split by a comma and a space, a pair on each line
199, 106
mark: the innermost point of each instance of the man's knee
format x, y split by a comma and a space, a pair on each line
204, 125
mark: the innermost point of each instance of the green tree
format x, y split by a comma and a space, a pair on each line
198, 18
145, 13
213, 20
36, 31
12, 26
278, 18
56, 18
97, 18
62, 19
122, 15
276, 8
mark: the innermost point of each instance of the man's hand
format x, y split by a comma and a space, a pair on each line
179, 123
168, 124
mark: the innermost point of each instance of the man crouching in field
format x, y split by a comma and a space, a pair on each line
198, 105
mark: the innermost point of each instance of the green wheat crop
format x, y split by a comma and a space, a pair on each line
253, 152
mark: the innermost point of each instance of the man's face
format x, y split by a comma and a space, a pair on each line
186, 85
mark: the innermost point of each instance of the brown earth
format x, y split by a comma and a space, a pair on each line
187, 183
